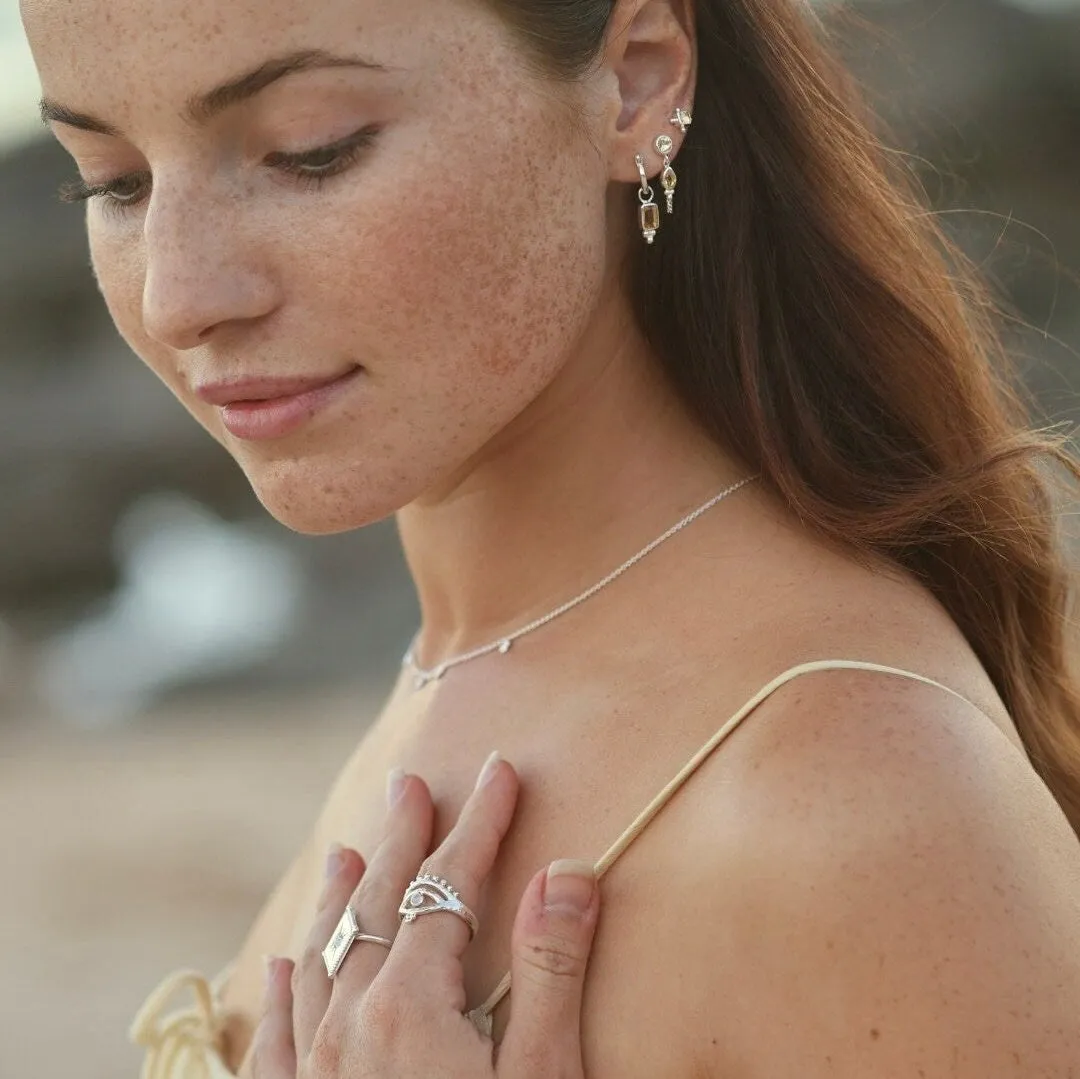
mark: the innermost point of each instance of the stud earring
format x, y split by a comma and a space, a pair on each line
668, 179
649, 213
681, 119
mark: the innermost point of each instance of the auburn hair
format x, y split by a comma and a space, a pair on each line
819, 324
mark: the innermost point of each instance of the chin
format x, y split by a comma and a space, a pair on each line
319, 505
314, 520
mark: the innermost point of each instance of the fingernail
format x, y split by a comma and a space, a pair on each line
570, 886
395, 786
333, 860
268, 970
490, 765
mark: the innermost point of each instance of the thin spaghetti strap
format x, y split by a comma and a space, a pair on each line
482, 1015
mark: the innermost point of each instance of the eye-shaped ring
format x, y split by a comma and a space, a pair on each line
429, 894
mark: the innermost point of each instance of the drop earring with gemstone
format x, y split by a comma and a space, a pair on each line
668, 179
649, 213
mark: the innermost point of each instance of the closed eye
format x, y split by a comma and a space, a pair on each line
311, 167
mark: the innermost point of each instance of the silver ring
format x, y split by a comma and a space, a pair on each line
345, 936
435, 895
640, 162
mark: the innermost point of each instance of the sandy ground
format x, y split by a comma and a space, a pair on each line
128, 853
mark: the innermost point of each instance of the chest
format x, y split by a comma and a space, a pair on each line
587, 771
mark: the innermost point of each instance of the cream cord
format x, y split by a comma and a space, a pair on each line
186, 1038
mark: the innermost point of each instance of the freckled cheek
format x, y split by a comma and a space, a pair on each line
471, 272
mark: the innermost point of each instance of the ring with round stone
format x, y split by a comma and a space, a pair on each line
429, 894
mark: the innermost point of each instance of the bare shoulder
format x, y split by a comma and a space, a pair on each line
902, 898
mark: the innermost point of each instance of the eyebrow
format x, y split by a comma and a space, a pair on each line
201, 109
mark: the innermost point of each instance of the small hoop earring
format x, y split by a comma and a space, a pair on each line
649, 213
681, 119
668, 179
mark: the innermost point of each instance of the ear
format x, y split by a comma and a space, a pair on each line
651, 49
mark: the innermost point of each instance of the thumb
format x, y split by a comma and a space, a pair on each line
553, 935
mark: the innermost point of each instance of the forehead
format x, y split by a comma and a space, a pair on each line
97, 50
208, 23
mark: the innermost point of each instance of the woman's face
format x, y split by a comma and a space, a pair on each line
355, 274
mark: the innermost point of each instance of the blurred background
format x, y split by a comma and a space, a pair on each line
178, 674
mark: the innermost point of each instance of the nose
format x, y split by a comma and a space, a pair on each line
203, 269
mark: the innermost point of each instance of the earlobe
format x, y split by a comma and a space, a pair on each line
651, 51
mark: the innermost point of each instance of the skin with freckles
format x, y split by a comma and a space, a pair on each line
444, 232
456, 259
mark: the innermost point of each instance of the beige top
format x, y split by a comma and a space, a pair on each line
187, 1043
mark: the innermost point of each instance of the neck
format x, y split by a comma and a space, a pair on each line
599, 466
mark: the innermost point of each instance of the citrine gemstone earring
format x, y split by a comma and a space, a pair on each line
668, 179
649, 213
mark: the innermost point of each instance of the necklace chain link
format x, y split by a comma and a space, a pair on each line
422, 676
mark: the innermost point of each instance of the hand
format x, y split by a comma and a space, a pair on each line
398, 1012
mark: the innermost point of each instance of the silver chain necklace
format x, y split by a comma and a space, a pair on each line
422, 677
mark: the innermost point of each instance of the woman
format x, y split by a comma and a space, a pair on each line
417, 258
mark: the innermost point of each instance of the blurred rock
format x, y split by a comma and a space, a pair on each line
14, 670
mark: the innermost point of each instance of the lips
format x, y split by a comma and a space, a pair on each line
259, 409
255, 390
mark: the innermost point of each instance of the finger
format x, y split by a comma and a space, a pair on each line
464, 860
552, 939
273, 1052
407, 836
311, 984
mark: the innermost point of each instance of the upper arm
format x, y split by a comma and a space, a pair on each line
906, 903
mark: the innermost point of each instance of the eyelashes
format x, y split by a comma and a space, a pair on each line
311, 169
